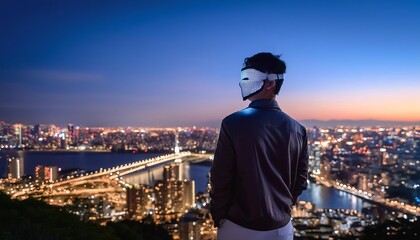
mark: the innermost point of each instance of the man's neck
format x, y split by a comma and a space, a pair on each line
262, 98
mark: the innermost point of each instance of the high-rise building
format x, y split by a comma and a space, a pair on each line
315, 156
18, 132
36, 130
162, 201
188, 198
176, 148
173, 196
15, 167
63, 140
172, 172
363, 183
140, 202
132, 199
189, 227
46, 173
70, 129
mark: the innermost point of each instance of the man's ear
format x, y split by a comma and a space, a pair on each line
270, 85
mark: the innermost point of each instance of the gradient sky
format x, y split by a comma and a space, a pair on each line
177, 63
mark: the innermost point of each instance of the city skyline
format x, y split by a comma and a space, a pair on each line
359, 177
177, 63
308, 123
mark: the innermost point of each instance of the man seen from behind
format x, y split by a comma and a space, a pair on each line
260, 165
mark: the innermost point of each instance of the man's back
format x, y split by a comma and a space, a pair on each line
260, 165
266, 143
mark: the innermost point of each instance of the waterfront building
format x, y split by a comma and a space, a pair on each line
18, 132
15, 167
363, 183
172, 172
168, 205
70, 132
315, 156
140, 202
188, 198
63, 140
315, 223
176, 148
46, 173
172, 195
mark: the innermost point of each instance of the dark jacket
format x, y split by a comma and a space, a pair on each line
260, 167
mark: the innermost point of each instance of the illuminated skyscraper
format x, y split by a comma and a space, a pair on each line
63, 140
173, 196
363, 183
188, 198
315, 156
140, 201
46, 173
172, 172
176, 148
70, 129
18, 132
15, 167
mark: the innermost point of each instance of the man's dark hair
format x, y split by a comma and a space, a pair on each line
268, 63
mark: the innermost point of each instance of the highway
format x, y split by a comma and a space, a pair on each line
110, 173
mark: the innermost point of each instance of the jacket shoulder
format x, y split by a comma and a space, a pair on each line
296, 124
238, 115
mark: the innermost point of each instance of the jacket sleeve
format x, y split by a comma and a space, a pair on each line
222, 177
301, 182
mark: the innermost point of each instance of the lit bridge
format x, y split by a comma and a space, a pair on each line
107, 183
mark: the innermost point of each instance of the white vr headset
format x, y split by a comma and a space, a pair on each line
252, 81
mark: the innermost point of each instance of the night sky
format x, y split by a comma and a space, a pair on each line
177, 63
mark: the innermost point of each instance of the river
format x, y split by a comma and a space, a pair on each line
321, 196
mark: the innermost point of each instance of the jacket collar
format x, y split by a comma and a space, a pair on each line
264, 103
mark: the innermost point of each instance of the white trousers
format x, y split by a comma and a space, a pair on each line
231, 231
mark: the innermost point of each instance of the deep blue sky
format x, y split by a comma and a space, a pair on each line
177, 63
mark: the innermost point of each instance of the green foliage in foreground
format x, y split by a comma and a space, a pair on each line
32, 220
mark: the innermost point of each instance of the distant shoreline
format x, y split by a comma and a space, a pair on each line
64, 150
357, 123
372, 201
79, 151
331, 123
